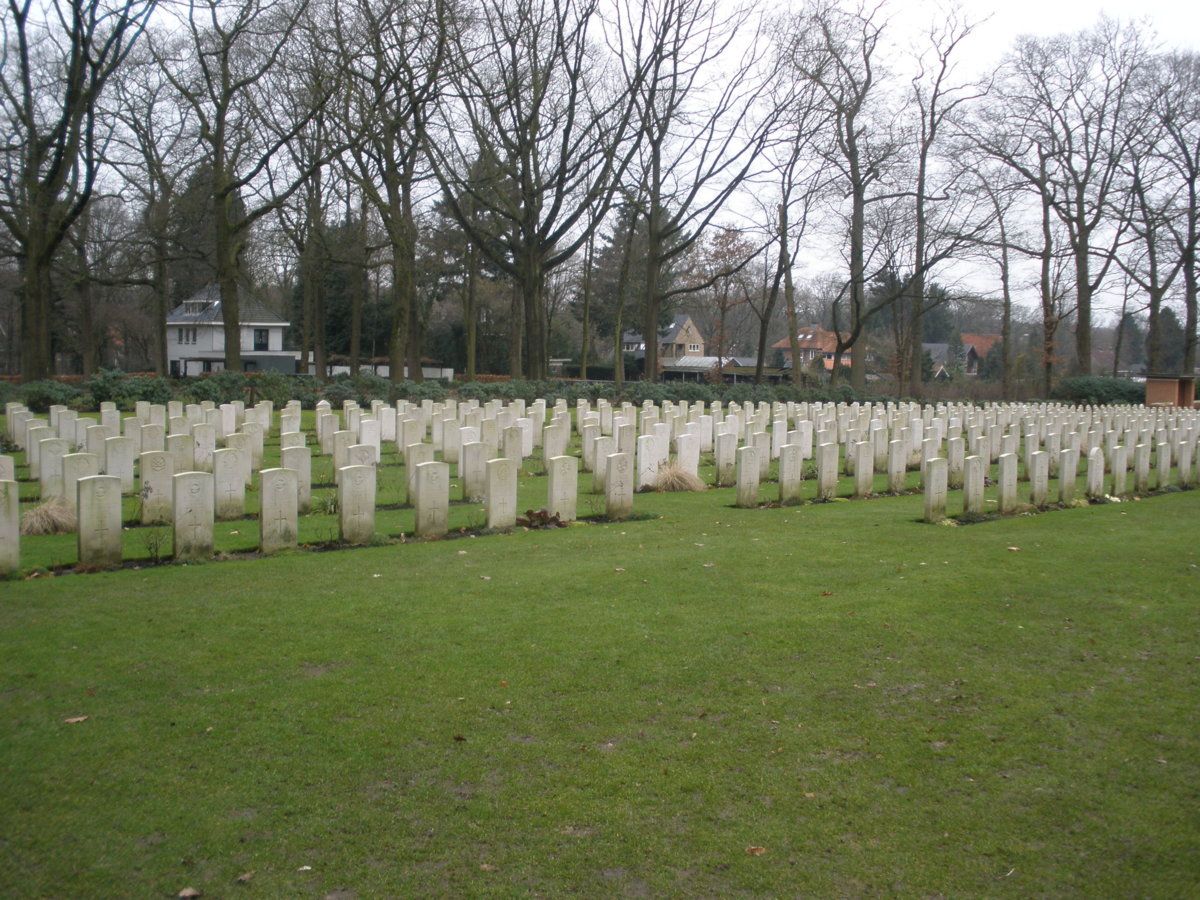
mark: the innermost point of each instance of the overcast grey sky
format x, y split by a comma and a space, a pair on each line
1177, 22
1174, 23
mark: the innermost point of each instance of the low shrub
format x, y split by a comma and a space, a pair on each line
1099, 389
220, 387
147, 388
39, 396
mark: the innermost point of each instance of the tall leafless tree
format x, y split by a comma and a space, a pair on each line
230, 68
56, 61
531, 94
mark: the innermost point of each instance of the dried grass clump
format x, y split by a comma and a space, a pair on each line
52, 517
672, 478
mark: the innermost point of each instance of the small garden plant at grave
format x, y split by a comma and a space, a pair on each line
156, 540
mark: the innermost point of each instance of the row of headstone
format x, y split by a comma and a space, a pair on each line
477, 435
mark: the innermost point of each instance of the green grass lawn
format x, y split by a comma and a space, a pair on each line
882, 706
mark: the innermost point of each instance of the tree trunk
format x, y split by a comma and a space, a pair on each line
1154, 364
858, 351
83, 292
320, 354
789, 297
226, 261
1049, 314
36, 361
161, 287
415, 342
1006, 358
652, 306
516, 329
1120, 338
1190, 288
358, 291
1083, 312
532, 281
470, 309
587, 305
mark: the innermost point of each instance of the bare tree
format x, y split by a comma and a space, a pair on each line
697, 98
1062, 126
230, 68
1176, 113
394, 56
531, 95
55, 63
836, 50
936, 96
153, 149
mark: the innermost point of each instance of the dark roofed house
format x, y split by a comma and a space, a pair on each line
196, 336
939, 355
678, 340
976, 347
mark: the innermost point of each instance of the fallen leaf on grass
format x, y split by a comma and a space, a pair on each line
244, 877
1014, 549
756, 851
459, 738
189, 892
75, 720
486, 867
709, 565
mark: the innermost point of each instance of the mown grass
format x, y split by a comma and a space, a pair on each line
882, 706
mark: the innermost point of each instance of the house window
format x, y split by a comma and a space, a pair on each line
260, 338
192, 336
693, 348
179, 336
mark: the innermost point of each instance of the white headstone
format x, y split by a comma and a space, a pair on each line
10, 527
501, 493
1007, 464
747, 476
229, 484
973, 484
791, 474
827, 471
99, 512
299, 460
356, 504
431, 497
77, 466
618, 485
118, 461
157, 471
472, 470
935, 489
562, 486
278, 516
192, 517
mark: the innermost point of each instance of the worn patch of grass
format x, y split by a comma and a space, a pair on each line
624, 708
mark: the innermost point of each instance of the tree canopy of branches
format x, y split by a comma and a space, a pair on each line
57, 61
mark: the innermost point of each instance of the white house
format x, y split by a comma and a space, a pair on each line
196, 336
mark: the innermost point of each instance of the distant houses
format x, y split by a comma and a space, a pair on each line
817, 345
196, 336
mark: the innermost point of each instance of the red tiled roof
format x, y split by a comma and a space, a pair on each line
983, 343
811, 338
